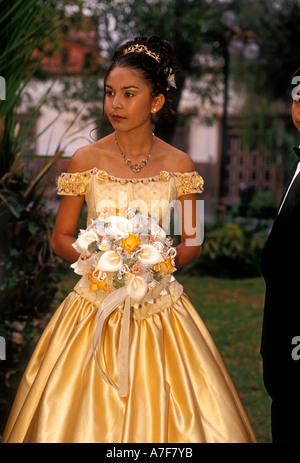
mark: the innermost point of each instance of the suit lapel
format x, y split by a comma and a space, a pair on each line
293, 196
291, 175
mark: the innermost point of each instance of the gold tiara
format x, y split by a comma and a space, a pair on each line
139, 49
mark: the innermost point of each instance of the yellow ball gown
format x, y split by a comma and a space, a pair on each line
179, 390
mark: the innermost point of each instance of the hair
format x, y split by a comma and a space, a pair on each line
154, 72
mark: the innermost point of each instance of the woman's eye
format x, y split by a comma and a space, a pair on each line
129, 95
108, 93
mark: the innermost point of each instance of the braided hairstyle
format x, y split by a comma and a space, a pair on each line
158, 73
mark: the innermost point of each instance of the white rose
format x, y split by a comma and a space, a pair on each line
105, 245
120, 226
156, 230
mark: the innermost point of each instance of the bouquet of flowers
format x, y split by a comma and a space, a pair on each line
129, 250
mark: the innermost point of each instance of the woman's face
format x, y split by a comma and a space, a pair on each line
128, 100
296, 110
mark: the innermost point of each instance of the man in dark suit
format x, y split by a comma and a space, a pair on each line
280, 347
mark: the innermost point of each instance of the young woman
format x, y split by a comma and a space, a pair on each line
127, 372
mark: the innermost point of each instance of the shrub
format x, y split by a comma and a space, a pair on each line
232, 249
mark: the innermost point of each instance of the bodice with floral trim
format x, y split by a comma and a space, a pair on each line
105, 192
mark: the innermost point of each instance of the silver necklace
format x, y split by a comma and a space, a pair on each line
135, 167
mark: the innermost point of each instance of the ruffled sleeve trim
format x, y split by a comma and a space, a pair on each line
73, 184
76, 184
189, 182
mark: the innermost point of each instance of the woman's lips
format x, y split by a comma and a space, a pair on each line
117, 118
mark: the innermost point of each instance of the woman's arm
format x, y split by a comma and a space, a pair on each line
190, 247
68, 214
65, 227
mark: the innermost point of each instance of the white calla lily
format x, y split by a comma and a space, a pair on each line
110, 261
137, 288
84, 240
120, 226
83, 266
149, 255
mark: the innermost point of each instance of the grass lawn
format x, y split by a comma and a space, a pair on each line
232, 311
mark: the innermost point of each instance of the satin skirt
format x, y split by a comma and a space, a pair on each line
179, 389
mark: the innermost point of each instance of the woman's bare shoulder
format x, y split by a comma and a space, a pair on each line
88, 156
179, 161
183, 162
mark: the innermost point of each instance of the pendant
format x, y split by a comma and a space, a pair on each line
135, 167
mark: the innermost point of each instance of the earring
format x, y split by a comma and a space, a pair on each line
154, 110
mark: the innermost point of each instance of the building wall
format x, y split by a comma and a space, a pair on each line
203, 147
250, 171
247, 172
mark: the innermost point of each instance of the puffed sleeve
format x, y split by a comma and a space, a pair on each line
73, 184
189, 182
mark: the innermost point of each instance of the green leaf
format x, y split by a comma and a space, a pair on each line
33, 227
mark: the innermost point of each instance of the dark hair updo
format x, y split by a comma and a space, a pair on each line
159, 72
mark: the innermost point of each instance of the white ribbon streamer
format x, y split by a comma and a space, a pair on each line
109, 305
112, 302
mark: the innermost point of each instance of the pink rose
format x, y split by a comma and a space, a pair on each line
135, 268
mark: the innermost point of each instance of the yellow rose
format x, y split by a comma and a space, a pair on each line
156, 268
130, 243
167, 266
97, 285
102, 175
164, 175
